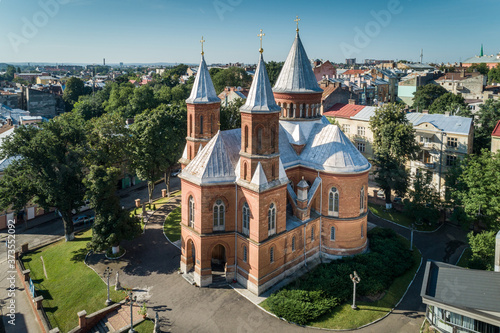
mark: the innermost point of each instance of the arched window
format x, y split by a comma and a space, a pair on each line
190, 155
362, 231
312, 234
332, 233
292, 111
246, 138
212, 124
219, 215
271, 255
273, 138
362, 200
245, 171
273, 173
201, 124
333, 202
271, 220
293, 243
245, 254
246, 219
191, 212
259, 139
190, 125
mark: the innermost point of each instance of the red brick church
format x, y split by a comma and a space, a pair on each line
286, 190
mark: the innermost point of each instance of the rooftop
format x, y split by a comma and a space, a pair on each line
496, 131
342, 110
203, 91
484, 59
457, 76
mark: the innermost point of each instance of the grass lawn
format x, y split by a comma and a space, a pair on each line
158, 203
343, 317
465, 259
146, 326
71, 286
172, 226
397, 217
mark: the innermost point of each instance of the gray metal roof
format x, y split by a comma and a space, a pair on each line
260, 97
483, 59
448, 124
464, 288
203, 91
297, 75
216, 162
365, 113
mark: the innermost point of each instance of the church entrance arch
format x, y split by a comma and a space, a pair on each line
191, 256
219, 260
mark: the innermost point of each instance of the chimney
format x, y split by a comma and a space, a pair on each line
447, 113
425, 111
352, 101
462, 73
497, 252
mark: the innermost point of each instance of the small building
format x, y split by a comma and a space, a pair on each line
495, 138
490, 60
469, 85
231, 94
324, 70
410, 83
460, 299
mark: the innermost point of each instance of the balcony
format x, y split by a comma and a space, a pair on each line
422, 165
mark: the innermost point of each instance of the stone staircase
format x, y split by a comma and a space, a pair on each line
219, 282
101, 327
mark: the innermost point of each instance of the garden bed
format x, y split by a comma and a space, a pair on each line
398, 217
323, 297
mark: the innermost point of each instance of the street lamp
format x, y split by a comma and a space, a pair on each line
107, 274
132, 299
355, 280
411, 237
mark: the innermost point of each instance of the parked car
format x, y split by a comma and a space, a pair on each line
82, 219
381, 194
175, 173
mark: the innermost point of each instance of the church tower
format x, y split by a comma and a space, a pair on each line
203, 113
259, 155
296, 91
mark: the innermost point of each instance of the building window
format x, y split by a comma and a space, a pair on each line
333, 202
245, 171
201, 124
361, 131
452, 142
271, 255
191, 212
271, 220
362, 200
273, 138
332, 233
219, 215
190, 125
259, 139
362, 231
346, 128
246, 219
246, 138
293, 243
245, 254
312, 234
451, 160
361, 146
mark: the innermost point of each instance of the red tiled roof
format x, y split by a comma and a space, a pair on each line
496, 131
354, 72
342, 110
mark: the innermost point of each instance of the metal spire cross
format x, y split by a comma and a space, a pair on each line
297, 20
202, 41
261, 35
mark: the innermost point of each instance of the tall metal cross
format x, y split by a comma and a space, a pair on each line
202, 41
297, 21
261, 35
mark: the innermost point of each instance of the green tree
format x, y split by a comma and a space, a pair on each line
483, 250
494, 75
119, 99
480, 192
75, 88
449, 102
394, 144
273, 70
426, 95
231, 77
481, 68
230, 117
112, 224
48, 169
155, 145
89, 107
486, 119
423, 200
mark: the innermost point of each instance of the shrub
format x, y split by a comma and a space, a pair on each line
300, 306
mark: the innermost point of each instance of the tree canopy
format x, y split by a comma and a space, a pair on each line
394, 144
231, 77
449, 102
426, 95
75, 88
230, 117
494, 75
273, 70
486, 119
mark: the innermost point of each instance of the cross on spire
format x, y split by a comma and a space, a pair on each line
261, 35
297, 21
202, 41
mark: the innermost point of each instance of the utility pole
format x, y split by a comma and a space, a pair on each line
355, 280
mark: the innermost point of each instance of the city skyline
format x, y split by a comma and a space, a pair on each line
86, 31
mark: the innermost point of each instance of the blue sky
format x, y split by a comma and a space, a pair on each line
147, 31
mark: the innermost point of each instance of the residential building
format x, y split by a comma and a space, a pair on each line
46, 80
324, 70
350, 61
495, 138
43, 102
469, 85
284, 190
409, 84
460, 299
490, 60
231, 94
333, 93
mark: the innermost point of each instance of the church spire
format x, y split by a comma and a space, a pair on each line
481, 54
203, 91
260, 97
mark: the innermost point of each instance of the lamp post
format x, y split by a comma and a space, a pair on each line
411, 237
107, 274
355, 280
132, 300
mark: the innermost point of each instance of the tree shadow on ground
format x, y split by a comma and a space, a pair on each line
79, 255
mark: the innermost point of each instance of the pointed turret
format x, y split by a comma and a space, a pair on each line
296, 91
203, 112
481, 50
